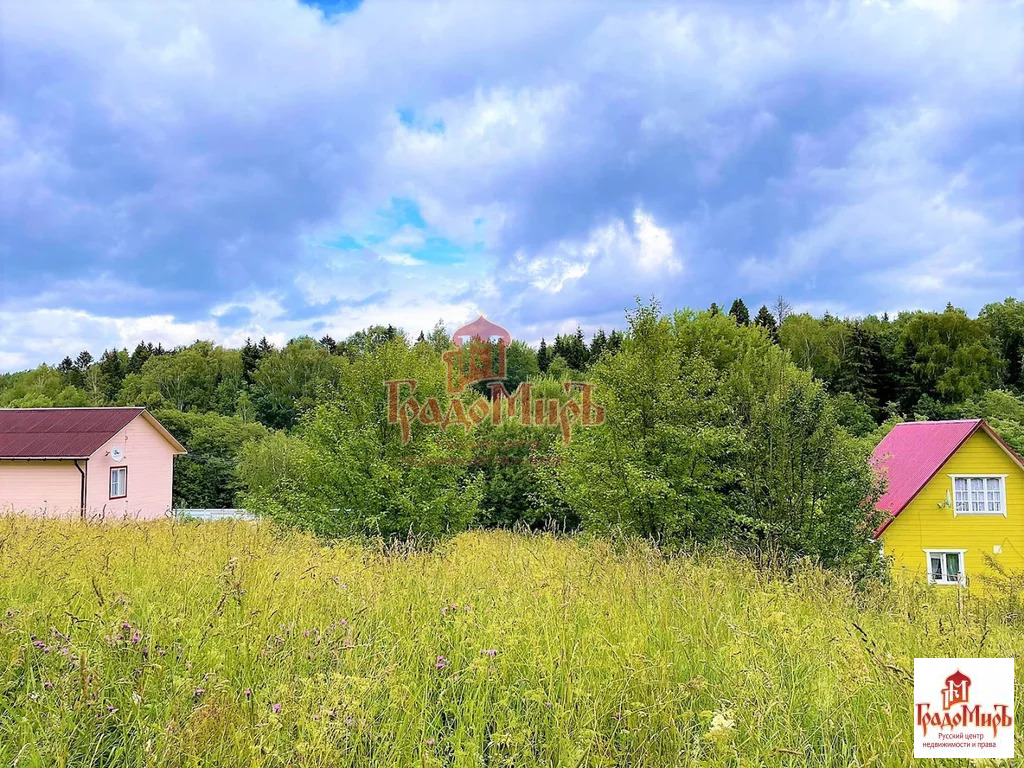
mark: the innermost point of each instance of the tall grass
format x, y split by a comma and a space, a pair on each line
235, 644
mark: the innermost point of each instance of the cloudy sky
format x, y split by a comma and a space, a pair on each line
182, 170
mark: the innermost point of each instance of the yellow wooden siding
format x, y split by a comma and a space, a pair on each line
924, 525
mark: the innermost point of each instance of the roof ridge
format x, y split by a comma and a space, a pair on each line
80, 408
939, 421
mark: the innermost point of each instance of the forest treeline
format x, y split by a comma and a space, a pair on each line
720, 424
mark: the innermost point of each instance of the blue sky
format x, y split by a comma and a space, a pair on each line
232, 169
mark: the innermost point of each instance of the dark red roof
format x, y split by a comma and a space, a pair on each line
65, 433
913, 452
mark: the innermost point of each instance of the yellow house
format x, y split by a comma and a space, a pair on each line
954, 498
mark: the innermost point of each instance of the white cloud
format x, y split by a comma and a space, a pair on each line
645, 250
900, 217
402, 259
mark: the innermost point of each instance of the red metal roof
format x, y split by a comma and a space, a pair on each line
913, 452
65, 433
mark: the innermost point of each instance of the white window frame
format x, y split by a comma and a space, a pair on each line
944, 582
123, 471
986, 477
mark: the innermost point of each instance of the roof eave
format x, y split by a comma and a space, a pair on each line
44, 458
179, 449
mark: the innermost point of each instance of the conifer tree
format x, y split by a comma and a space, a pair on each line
740, 312
543, 356
766, 320
597, 344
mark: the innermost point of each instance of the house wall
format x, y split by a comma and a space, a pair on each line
925, 525
50, 488
150, 461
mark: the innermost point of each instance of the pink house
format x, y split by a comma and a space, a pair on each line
88, 462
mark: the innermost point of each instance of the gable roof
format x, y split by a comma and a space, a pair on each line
66, 433
914, 451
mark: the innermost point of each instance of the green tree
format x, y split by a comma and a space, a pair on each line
739, 312
438, 337
713, 432
558, 369
206, 477
113, 367
42, 387
951, 356
543, 356
658, 466
355, 475
331, 345
142, 352
520, 364
289, 382
251, 355
1005, 323
766, 320
572, 349
201, 377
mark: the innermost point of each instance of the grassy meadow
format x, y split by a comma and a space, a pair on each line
235, 644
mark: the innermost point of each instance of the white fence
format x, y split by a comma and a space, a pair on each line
214, 514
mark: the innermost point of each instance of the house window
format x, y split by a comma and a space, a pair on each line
118, 482
946, 566
979, 495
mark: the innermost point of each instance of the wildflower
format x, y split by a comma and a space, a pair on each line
442, 662
111, 709
198, 692
10, 613
247, 692
490, 652
430, 742
618, 715
276, 708
547, 703
722, 726
136, 638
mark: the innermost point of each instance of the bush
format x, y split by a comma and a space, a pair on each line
713, 432
353, 475
206, 476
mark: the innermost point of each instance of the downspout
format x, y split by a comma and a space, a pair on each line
82, 473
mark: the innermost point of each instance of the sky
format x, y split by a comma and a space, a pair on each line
219, 170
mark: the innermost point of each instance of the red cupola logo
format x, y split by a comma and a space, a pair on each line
481, 329
956, 691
